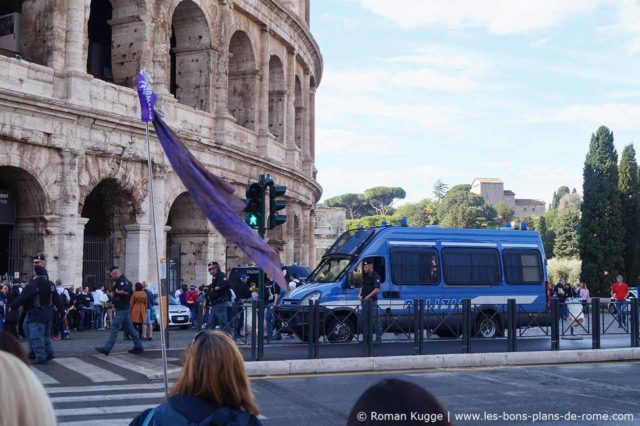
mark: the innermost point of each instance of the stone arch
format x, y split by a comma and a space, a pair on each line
108, 208
312, 118
243, 80
277, 98
191, 60
297, 239
23, 204
299, 113
99, 55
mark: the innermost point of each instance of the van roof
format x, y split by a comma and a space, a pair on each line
455, 234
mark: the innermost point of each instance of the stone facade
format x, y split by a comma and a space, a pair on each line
329, 226
236, 81
493, 192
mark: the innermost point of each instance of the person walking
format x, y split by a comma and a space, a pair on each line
99, 300
217, 298
38, 300
584, 297
560, 292
139, 308
191, 299
60, 315
620, 292
84, 304
122, 291
147, 328
213, 388
369, 294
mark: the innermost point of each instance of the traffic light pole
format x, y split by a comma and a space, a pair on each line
262, 231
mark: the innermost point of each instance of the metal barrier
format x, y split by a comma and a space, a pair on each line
575, 318
616, 320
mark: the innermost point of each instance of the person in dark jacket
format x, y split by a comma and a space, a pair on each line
38, 299
222, 397
217, 298
12, 317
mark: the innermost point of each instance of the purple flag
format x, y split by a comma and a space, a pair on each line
213, 195
147, 97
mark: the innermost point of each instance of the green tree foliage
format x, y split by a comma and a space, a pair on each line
381, 198
367, 221
601, 244
567, 236
463, 209
354, 203
440, 190
547, 236
567, 268
504, 213
557, 196
422, 213
571, 201
630, 199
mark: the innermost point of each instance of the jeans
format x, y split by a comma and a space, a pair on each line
39, 338
218, 316
270, 319
377, 329
85, 317
621, 312
122, 318
97, 317
192, 308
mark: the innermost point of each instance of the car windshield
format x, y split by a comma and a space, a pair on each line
329, 270
349, 242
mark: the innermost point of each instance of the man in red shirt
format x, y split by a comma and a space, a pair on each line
620, 292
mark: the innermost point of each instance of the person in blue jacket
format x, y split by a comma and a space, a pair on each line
213, 388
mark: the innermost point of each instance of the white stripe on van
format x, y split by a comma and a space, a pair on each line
510, 245
457, 244
502, 300
412, 243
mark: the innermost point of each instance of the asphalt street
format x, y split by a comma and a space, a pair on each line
94, 391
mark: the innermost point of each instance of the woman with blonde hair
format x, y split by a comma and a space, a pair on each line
213, 388
24, 401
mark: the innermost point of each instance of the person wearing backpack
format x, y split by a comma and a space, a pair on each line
222, 397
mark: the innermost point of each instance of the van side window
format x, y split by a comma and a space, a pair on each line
378, 267
471, 266
522, 267
414, 265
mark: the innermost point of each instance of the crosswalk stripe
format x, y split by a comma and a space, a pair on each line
44, 378
89, 411
146, 367
92, 372
103, 388
105, 422
114, 397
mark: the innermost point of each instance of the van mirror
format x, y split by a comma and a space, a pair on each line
350, 281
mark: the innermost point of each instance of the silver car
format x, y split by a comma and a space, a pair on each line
179, 315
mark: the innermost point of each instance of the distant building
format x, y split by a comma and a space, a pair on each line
493, 192
329, 226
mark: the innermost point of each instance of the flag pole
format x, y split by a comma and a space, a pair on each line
162, 294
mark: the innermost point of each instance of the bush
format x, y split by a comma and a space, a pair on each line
569, 268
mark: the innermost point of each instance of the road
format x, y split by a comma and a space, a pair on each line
91, 391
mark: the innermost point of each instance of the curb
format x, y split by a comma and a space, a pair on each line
432, 362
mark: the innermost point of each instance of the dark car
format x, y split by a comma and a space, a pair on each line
302, 272
252, 271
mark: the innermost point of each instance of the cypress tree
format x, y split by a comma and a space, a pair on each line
547, 237
601, 244
630, 198
566, 242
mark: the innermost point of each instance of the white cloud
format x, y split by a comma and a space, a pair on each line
628, 24
613, 115
336, 142
496, 16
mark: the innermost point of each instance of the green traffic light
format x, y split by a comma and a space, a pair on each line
251, 219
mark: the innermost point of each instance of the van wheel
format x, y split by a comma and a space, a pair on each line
446, 333
488, 326
339, 330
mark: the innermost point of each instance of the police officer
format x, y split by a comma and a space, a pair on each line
369, 295
38, 299
217, 298
122, 291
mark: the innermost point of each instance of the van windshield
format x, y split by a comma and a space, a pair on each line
329, 270
350, 241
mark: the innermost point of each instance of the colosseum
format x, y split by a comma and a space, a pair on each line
235, 79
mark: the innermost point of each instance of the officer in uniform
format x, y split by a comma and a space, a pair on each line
38, 299
122, 291
217, 298
369, 295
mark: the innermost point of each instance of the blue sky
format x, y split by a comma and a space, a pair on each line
458, 89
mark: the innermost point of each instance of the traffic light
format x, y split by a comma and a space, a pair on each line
254, 210
276, 205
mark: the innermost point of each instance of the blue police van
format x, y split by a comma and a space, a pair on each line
443, 266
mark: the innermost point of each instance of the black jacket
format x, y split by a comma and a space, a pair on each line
39, 287
190, 410
215, 297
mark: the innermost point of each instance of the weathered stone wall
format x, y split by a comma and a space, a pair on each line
67, 132
329, 226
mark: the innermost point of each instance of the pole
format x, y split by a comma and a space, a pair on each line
163, 289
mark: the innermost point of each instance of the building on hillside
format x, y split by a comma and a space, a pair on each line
493, 192
236, 80
330, 224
